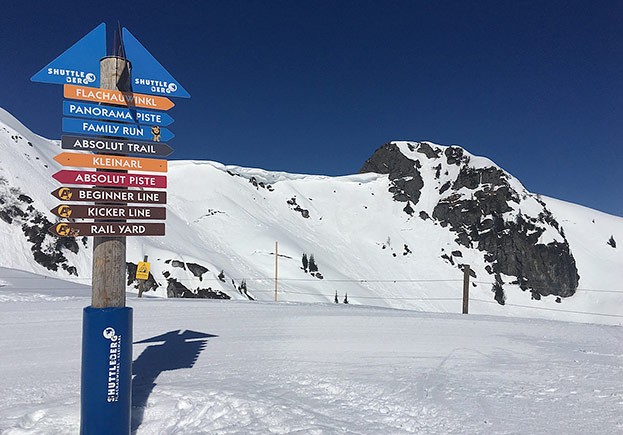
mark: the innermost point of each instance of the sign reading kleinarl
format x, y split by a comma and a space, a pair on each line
111, 162
118, 98
110, 179
71, 229
108, 195
116, 146
71, 211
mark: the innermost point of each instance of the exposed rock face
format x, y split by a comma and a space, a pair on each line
483, 209
406, 179
16, 209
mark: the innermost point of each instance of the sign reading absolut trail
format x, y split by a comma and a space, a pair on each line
115, 146
89, 76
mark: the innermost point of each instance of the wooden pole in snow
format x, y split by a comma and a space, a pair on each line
276, 267
465, 288
109, 268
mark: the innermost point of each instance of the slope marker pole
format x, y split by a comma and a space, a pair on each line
466, 270
276, 266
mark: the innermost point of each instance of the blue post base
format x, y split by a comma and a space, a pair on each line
106, 391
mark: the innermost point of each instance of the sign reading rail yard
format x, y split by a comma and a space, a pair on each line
111, 162
70, 211
116, 146
110, 179
107, 229
118, 98
107, 195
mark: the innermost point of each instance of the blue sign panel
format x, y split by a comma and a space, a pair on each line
112, 113
79, 64
133, 131
148, 76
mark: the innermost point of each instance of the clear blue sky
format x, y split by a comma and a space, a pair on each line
316, 86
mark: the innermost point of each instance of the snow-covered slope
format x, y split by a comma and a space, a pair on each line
390, 238
241, 367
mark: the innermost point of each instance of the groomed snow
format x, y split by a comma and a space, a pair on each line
297, 368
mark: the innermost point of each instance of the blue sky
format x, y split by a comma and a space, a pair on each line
316, 86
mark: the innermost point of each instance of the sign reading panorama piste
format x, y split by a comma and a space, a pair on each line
125, 130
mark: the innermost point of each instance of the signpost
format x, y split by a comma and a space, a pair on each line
122, 123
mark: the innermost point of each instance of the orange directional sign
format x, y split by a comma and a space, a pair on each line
111, 162
117, 98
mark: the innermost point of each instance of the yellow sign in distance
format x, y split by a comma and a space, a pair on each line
142, 270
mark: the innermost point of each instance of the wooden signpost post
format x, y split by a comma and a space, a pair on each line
124, 129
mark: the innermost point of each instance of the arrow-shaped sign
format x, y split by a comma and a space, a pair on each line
71, 211
71, 229
115, 146
107, 195
110, 179
103, 161
117, 98
112, 113
100, 128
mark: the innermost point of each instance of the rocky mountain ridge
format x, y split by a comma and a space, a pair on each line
395, 235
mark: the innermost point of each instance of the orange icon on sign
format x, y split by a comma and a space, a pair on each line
65, 194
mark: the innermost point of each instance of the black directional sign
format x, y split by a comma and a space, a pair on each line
115, 146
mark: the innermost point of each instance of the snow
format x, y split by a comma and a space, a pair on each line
218, 218
287, 368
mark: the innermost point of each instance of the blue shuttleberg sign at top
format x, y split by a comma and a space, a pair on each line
80, 65
148, 76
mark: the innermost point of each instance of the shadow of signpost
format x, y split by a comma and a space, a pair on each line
170, 351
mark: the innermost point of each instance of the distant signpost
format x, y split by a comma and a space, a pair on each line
114, 108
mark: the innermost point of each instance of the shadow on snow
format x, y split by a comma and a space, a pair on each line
171, 351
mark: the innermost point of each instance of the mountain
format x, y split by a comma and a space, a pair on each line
395, 235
